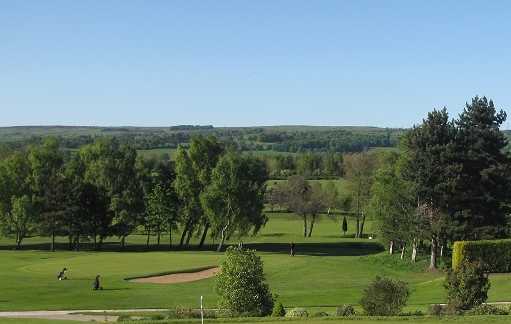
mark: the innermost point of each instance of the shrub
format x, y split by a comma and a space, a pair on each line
485, 309
417, 312
278, 310
241, 284
345, 310
436, 310
320, 314
494, 255
297, 312
385, 297
467, 287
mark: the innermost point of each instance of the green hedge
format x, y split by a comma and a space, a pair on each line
495, 255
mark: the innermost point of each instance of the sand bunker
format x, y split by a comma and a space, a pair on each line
180, 277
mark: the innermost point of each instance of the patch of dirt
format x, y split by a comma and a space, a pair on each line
179, 277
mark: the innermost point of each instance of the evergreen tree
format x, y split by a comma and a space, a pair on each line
429, 163
484, 182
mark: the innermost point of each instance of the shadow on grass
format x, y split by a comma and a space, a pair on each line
312, 249
321, 249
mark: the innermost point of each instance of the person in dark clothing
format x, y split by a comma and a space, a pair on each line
97, 284
62, 274
292, 253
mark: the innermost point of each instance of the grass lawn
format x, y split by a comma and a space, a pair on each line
356, 320
329, 270
368, 320
158, 152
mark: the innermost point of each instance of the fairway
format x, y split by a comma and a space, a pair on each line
329, 270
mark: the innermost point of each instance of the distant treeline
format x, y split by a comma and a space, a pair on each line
309, 165
281, 139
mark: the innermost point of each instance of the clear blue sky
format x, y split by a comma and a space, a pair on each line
240, 63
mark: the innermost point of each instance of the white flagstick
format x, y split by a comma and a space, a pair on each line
201, 310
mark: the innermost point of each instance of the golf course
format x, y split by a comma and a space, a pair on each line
328, 270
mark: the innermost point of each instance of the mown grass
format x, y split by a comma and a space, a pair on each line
329, 270
359, 320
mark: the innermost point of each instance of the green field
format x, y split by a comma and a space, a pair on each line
329, 270
341, 183
157, 153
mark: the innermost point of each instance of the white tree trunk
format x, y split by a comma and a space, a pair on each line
414, 250
403, 252
391, 247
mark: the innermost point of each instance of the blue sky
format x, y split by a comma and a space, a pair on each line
241, 63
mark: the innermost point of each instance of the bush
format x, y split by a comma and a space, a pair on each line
297, 312
188, 313
320, 314
494, 255
467, 287
241, 284
436, 310
385, 297
278, 310
345, 310
485, 309
417, 312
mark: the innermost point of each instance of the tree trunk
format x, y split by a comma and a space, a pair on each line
183, 236
223, 232
304, 225
158, 239
147, 240
188, 238
357, 234
185, 231
18, 241
100, 243
77, 242
402, 252
441, 250
414, 250
361, 230
311, 227
391, 247
123, 242
358, 226
95, 241
70, 242
170, 238
52, 240
432, 262
204, 234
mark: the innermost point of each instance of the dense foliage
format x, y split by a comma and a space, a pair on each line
241, 285
467, 286
493, 255
281, 139
278, 310
105, 189
384, 297
451, 181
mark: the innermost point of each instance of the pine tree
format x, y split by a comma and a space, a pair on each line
484, 182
